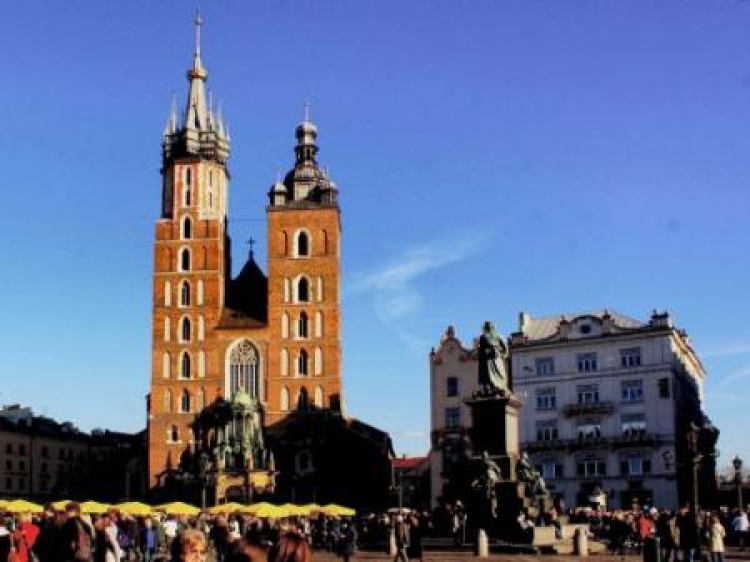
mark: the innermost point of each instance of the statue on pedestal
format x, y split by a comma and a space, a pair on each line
492, 356
534, 480
485, 487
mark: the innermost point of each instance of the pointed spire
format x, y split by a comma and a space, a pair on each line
198, 22
197, 113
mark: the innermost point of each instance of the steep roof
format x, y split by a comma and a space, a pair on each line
546, 327
247, 298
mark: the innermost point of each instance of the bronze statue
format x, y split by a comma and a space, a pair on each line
492, 357
534, 480
485, 485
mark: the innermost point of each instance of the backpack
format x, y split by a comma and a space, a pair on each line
82, 551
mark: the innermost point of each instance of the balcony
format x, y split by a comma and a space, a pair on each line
594, 443
589, 409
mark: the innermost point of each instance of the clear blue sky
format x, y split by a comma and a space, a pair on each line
492, 156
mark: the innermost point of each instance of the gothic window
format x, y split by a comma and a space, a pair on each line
167, 328
187, 229
185, 260
167, 293
185, 402
185, 330
188, 187
201, 399
303, 290
318, 361
201, 364
320, 289
285, 325
302, 322
303, 244
284, 401
318, 324
243, 369
318, 396
302, 363
165, 365
287, 290
168, 401
284, 363
185, 294
173, 434
201, 329
185, 370
199, 296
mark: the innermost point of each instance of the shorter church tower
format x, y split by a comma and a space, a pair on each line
304, 276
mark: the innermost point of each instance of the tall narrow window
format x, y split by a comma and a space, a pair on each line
284, 399
303, 244
320, 289
201, 364
303, 290
318, 324
165, 365
302, 325
285, 325
167, 293
185, 401
173, 434
199, 295
201, 399
302, 363
167, 328
185, 294
284, 363
188, 187
187, 229
201, 329
185, 260
318, 361
185, 330
185, 369
318, 396
168, 401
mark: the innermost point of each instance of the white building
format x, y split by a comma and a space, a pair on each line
607, 402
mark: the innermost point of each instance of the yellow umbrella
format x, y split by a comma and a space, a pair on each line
225, 508
293, 510
256, 506
60, 505
334, 510
179, 508
3, 503
94, 508
136, 509
22, 506
269, 511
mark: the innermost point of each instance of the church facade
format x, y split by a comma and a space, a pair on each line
273, 337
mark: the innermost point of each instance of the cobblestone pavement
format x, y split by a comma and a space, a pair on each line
438, 556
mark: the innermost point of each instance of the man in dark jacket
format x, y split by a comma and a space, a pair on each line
688, 528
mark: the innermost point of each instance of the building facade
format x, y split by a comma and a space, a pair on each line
272, 336
453, 379
608, 401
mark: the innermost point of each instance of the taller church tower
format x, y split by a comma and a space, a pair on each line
304, 277
191, 270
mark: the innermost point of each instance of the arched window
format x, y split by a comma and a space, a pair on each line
168, 401
302, 330
318, 396
284, 363
167, 328
185, 330
287, 290
303, 290
285, 325
318, 361
243, 369
320, 289
188, 187
185, 260
201, 329
284, 399
167, 293
187, 228
201, 364
173, 434
201, 399
199, 295
185, 369
185, 294
302, 363
185, 402
318, 324
165, 365
303, 244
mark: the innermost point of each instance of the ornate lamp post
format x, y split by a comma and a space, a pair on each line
737, 464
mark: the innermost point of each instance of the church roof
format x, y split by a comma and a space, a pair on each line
247, 298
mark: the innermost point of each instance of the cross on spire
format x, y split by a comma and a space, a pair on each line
307, 111
251, 243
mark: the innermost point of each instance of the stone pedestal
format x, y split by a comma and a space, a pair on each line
494, 428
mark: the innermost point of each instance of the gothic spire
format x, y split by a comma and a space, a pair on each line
196, 115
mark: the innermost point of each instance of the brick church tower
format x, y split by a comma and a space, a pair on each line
273, 340
304, 274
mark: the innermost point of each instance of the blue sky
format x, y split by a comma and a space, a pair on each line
492, 157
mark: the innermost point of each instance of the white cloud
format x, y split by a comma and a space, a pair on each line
739, 349
735, 376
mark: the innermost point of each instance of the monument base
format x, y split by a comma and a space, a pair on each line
494, 429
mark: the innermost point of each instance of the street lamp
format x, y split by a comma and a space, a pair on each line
737, 464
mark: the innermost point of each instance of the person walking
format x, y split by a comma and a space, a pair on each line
688, 527
348, 541
402, 540
740, 527
77, 536
716, 534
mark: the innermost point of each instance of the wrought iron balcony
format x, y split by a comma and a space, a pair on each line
605, 408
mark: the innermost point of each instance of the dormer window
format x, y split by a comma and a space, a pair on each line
585, 329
